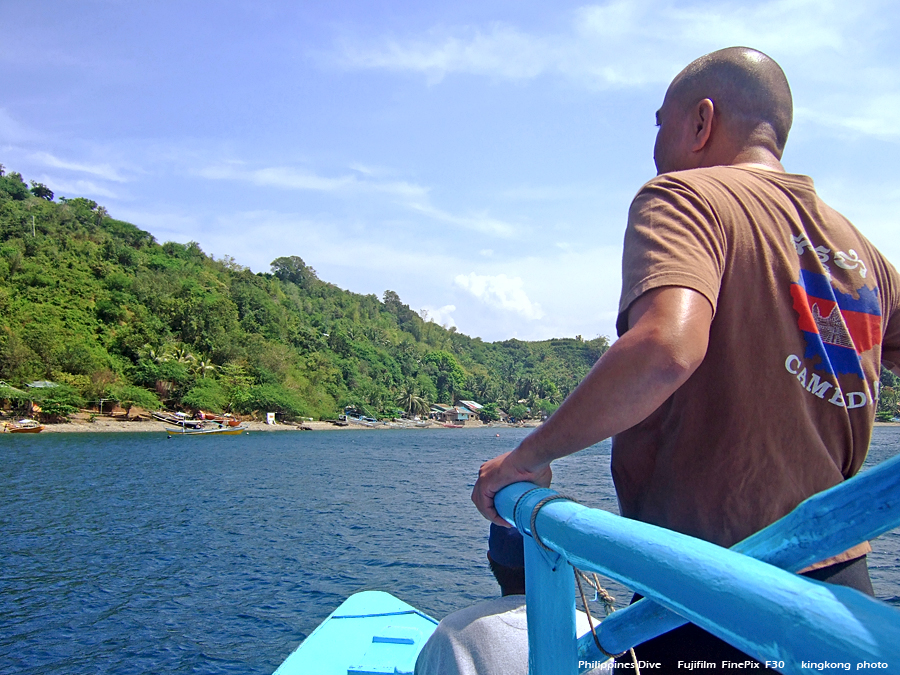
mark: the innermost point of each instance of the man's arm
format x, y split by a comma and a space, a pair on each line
666, 342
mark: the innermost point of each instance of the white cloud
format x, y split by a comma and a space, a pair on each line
874, 117
502, 292
617, 43
363, 169
164, 226
289, 178
362, 264
77, 188
440, 316
482, 222
496, 307
409, 195
280, 177
481, 53
104, 171
636, 43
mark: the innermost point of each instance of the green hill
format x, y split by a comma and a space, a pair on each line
97, 305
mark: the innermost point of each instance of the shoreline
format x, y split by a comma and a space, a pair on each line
107, 425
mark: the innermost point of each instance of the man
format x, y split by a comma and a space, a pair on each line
753, 323
491, 637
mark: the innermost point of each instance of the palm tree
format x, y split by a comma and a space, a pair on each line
153, 355
182, 355
525, 385
410, 401
101, 214
202, 367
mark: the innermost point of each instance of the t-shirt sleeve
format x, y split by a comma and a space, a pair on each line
673, 238
437, 656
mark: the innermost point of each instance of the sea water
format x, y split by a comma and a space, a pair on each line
134, 553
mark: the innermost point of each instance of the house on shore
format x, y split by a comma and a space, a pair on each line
448, 414
476, 409
472, 407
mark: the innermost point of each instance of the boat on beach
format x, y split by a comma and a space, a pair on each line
206, 429
360, 420
23, 426
206, 423
227, 418
178, 419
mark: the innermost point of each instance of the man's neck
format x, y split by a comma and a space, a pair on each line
757, 158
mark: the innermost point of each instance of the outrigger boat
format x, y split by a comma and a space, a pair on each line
23, 426
748, 595
360, 420
227, 418
206, 428
178, 419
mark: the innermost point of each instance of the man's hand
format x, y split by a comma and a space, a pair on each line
504, 470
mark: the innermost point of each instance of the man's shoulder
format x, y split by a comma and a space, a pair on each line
510, 609
721, 190
489, 636
732, 175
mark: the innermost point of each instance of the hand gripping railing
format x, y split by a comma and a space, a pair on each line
767, 612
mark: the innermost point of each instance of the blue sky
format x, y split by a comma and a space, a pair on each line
477, 158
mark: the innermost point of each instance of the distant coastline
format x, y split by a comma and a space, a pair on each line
103, 425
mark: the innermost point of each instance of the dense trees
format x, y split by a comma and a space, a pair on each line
42, 191
888, 396
97, 305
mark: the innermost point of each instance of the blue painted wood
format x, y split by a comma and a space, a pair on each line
764, 611
824, 525
622, 630
549, 599
832, 521
371, 632
550, 607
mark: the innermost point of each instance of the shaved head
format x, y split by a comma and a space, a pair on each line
750, 93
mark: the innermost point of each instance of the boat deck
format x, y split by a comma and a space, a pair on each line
371, 633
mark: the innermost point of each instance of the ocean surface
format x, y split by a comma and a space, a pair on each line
134, 553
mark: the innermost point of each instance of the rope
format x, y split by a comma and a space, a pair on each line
587, 610
609, 605
609, 602
534, 512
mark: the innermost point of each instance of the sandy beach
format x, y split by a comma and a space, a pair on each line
106, 424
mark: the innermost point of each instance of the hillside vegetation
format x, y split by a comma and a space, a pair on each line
98, 306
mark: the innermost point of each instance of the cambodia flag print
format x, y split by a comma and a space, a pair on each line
837, 326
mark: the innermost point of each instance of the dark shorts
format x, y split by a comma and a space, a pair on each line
690, 643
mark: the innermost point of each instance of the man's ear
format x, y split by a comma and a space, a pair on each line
704, 116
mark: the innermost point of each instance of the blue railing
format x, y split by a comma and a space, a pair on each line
747, 595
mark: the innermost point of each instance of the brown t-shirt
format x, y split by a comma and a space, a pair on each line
782, 407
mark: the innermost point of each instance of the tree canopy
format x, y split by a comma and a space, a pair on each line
98, 305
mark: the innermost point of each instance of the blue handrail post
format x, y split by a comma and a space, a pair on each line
550, 606
549, 588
